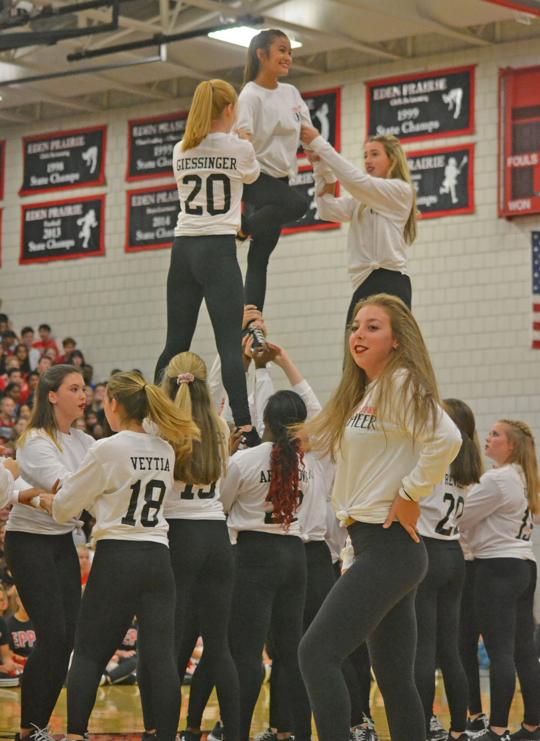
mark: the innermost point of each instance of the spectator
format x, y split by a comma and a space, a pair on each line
22, 355
68, 346
4, 323
25, 411
89, 391
19, 427
27, 339
33, 381
99, 395
13, 391
9, 341
46, 340
85, 562
44, 364
9, 670
21, 634
76, 358
87, 373
14, 375
52, 353
5, 612
7, 418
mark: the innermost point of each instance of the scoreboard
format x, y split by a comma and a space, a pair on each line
519, 149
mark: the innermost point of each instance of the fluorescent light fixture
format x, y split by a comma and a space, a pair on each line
242, 35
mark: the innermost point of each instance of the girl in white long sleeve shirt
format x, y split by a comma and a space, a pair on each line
393, 442
498, 520
40, 552
380, 208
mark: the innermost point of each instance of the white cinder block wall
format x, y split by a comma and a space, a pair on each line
471, 274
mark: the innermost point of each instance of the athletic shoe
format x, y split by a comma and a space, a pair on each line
216, 734
9, 679
267, 735
258, 338
488, 735
524, 735
478, 724
364, 732
436, 732
39, 734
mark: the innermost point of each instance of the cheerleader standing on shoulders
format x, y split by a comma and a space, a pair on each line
498, 520
269, 114
210, 166
439, 594
381, 208
201, 551
393, 442
262, 491
123, 480
40, 552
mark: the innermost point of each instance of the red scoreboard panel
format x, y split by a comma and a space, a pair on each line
519, 149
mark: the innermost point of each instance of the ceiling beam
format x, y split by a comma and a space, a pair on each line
7, 115
75, 104
164, 11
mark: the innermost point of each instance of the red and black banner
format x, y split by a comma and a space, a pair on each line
444, 180
150, 145
424, 105
64, 159
305, 184
152, 214
63, 230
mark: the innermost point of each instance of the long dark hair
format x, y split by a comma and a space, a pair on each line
467, 467
263, 40
43, 416
284, 410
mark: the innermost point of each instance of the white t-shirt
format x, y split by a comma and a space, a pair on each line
441, 511
273, 119
244, 490
42, 462
377, 209
378, 460
496, 519
7, 486
123, 481
210, 180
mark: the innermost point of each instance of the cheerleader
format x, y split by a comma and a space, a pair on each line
393, 442
40, 552
269, 114
439, 594
498, 520
381, 208
262, 492
201, 551
123, 481
210, 166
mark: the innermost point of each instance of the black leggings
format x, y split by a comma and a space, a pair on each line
271, 204
269, 592
504, 599
47, 575
206, 267
469, 636
320, 580
382, 281
202, 562
373, 601
437, 614
128, 578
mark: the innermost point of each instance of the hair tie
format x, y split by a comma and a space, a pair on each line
144, 386
185, 378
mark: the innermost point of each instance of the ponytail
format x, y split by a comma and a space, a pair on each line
141, 399
283, 410
524, 454
263, 40
209, 101
184, 382
467, 466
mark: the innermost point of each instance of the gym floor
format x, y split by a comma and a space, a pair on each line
117, 712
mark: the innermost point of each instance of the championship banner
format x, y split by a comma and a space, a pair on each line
64, 159
150, 145
424, 105
151, 217
1, 235
444, 180
304, 182
63, 230
2, 167
325, 109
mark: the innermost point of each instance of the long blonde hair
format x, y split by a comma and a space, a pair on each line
399, 168
140, 399
209, 101
184, 381
417, 397
520, 434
